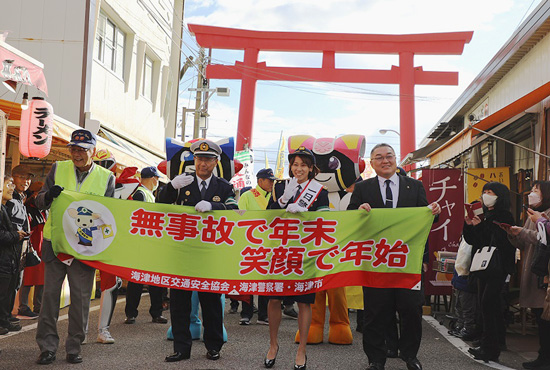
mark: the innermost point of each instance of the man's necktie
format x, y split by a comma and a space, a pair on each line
389, 195
203, 189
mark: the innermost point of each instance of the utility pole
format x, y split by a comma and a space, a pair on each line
206, 95
198, 99
188, 63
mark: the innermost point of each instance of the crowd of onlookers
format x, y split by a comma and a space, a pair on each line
480, 291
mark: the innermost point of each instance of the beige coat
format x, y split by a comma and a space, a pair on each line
526, 241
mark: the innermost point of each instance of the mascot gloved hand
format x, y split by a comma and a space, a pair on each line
340, 161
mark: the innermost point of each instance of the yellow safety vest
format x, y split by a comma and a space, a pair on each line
95, 183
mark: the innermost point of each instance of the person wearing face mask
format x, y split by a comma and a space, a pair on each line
301, 193
149, 183
530, 294
480, 233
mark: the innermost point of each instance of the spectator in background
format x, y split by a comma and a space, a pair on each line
532, 292
480, 233
33, 275
10, 238
256, 200
22, 177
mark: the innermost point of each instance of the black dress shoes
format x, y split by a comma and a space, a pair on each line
74, 359
130, 320
213, 355
270, 362
177, 356
375, 366
484, 355
301, 367
46, 358
413, 364
160, 320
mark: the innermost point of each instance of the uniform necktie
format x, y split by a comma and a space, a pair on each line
389, 195
298, 191
203, 189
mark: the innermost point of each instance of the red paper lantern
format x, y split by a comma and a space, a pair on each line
35, 134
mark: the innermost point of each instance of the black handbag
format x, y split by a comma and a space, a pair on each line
30, 257
541, 257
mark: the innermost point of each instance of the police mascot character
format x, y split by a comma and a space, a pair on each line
109, 283
340, 161
179, 159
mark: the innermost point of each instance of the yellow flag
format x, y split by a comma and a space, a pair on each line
280, 170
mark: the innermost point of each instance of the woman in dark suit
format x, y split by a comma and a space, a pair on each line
288, 195
480, 233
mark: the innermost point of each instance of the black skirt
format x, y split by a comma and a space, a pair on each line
303, 298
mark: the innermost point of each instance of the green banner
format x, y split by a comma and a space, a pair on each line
242, 252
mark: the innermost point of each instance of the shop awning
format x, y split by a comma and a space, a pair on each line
517, 107
463, 139
21, 68
125, 153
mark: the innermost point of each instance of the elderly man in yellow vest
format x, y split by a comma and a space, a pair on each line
256, 199
83, 175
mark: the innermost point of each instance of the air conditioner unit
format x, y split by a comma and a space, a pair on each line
222, 91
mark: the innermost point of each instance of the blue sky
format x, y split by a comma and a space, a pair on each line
326, 109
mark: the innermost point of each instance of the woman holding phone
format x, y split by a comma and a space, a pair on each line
532, 292
481, 233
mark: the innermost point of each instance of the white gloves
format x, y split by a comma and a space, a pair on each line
290, 191
203, 206
295, 208
181, 181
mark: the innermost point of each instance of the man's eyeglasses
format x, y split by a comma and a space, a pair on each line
205, 159
379, 158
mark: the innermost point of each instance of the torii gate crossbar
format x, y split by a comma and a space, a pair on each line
249, 71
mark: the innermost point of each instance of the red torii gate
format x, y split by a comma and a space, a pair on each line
406, 74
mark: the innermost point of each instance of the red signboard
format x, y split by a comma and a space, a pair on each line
446, 187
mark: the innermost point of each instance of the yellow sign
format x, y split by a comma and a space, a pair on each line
477, 177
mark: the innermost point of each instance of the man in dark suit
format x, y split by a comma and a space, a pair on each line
389, 190
205, 192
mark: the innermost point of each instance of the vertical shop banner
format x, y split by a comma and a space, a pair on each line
477, 177
245, 177
446, 187
269, 252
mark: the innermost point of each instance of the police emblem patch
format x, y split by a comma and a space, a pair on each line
204, 147
216, 198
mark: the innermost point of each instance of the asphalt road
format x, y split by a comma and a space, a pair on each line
144, 346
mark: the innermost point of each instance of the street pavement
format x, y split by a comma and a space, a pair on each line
143, 345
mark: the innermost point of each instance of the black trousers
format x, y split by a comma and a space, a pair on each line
544, 334
490, 301
8, 283
248, 310
212, 312
379, 313
133, 297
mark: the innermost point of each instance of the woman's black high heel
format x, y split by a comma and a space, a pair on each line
269, 363
301, 367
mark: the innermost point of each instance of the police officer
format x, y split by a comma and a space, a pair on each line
149, 183
205, 192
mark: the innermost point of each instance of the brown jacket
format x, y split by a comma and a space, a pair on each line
529, 294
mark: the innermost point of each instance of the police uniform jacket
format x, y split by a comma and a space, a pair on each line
219, 193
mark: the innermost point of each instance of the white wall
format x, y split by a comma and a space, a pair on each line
52, 32
118, 103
